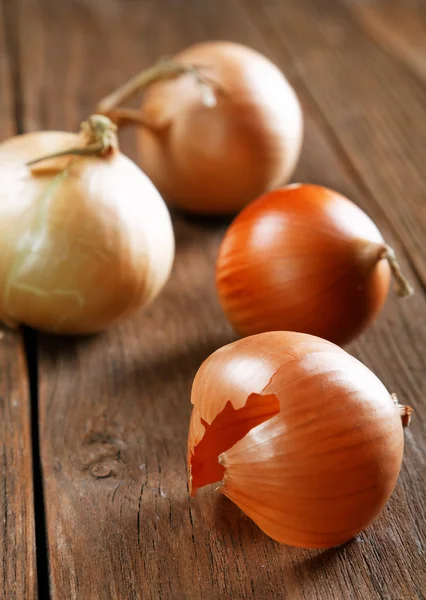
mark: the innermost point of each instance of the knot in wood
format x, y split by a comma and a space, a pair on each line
100, 470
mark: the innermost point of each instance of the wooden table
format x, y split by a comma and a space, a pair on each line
93, 493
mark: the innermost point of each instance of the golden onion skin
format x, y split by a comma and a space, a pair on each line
215, 160
82, 247
303, 258
306, 439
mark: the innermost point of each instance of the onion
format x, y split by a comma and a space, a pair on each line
215, 156
84, 239
305, 438
304, 258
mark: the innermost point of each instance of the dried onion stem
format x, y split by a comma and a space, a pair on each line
165, 69
402, 286
100, 136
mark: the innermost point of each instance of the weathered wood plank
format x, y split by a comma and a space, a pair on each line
18, 578
397, 27
114, 410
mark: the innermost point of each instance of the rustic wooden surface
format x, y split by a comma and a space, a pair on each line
114, 410
399, 28
18, 575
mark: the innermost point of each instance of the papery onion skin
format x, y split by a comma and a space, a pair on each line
82, 248
320, 470
214, 160
303, 258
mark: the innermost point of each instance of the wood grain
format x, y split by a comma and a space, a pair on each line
18, 578
398, 28
114, 409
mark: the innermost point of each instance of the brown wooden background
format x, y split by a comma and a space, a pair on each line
93, 493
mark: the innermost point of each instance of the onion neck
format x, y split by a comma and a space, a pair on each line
402, 286
404, 411
163, 70
370, 253
100, 139
100, 131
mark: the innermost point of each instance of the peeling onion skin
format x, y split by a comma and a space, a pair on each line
80, 251
303, 258
322, 467
214, 160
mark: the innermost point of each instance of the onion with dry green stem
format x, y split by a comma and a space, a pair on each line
305, 258
216, 151
303, 437
85, 238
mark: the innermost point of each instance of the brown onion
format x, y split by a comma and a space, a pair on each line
85, 238
305, 258
215, 156
303, 437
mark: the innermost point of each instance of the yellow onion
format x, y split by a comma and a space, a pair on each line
305, 258
304, 438
215, 156
85, 238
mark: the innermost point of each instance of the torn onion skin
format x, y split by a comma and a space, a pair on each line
304, 438
216, 159
305, 258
